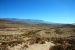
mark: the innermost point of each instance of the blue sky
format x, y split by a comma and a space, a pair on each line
59, 11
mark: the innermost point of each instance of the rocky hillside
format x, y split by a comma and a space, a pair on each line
15, 32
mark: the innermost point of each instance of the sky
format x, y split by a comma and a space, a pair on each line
58, 11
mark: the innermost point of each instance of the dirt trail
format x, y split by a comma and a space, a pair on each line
40, 46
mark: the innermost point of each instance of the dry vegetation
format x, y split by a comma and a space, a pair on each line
20, 36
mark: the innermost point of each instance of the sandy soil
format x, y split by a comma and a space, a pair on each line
32, 47
40, 46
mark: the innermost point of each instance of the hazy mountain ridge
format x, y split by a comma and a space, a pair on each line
32, 21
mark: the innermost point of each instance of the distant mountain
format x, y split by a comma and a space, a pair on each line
29, 22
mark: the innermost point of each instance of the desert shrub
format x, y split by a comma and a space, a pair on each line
58, 31
57, 40
65, 44
59, 47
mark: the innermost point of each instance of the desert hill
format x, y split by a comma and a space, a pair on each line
16, 31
